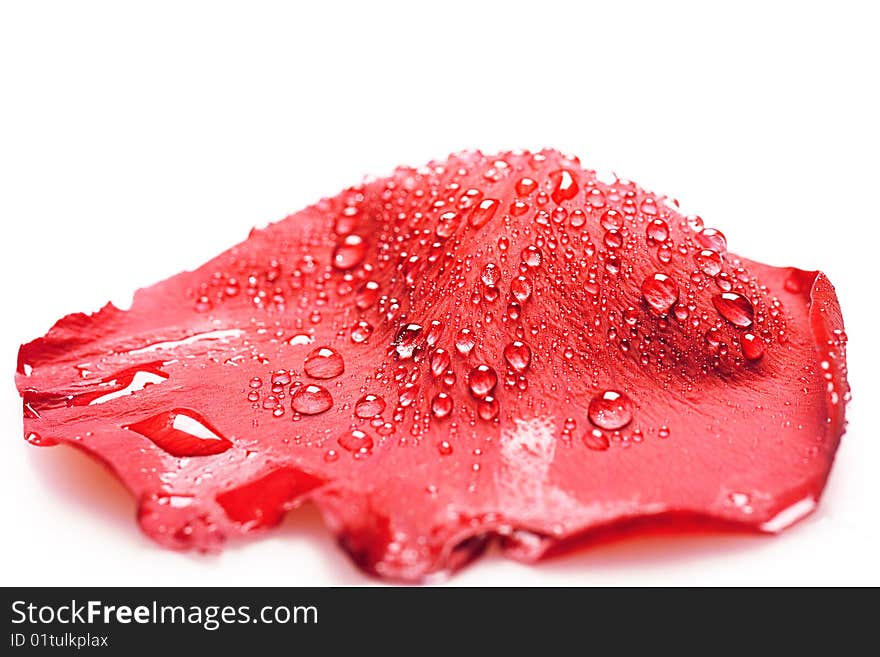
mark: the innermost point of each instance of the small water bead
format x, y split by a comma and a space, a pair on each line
331, 455
660, 292
361, 332
324, 363
611, 220
488, 408
483, 212
531, 256
281, 378
180, 432
595, 198
613, 239
709, 262
447, 224
350, 252
356, 441
434, 333
256, 382
367, 295
657, 230
253, 396
610, 410
612, 264
409, 394
596, 440
491, 275
577, 219
407, 340
482, 380
521, 288
513, 310
565, 185
444, 447
518, 355
441, 405
465, 341
752, 346
526, 186
311, 399
518, 208
663, 432
712, 239
735, 308
300, 339
440, 362
369, 406
648, 206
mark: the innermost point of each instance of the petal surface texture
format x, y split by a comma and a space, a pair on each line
485, 348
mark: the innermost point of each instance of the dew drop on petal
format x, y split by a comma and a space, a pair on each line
441, 405
311, 399
369, 406
660, 292
482, 381
752, 346
324, 363
356, 441
735, 308
349, 252
518, 355
610, 410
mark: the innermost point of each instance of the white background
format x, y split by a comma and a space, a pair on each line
138, 142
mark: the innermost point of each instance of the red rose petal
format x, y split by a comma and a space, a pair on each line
488, 346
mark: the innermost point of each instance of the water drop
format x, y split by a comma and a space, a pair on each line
660, 292
447, 224
735, 308
483, 212
712, 239
518, 355
526, 186
440, 361
350, 252
324, 363
611, 220
441, 405
182, 432
657, 230
491, 275
367, 295
361, 332
531, 256
610, 410
487, 408
565, 185
521, 288
407, 340
356, 441
709, 262
311, 399
465, 341
752, 346
482, 381
369, 406
596, 440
